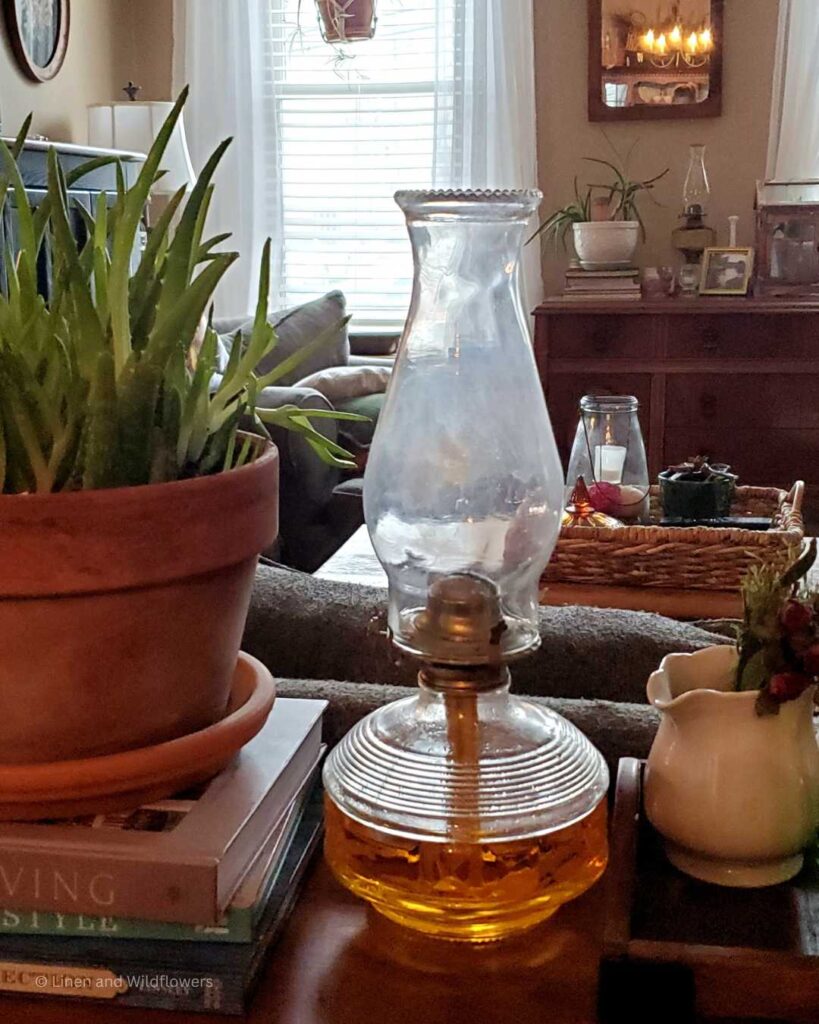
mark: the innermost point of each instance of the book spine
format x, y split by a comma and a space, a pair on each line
150, 989
97, 884
170, 976
236, 926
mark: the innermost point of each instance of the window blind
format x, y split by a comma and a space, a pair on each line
349, 133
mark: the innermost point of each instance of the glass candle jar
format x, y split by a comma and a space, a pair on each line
609, 453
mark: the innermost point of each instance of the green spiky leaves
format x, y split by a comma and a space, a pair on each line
110, 382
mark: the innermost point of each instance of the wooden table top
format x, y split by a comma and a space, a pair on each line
680, 305
339, 963
354, 562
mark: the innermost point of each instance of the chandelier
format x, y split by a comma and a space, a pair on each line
677, 46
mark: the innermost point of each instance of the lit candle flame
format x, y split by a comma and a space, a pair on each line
677, 39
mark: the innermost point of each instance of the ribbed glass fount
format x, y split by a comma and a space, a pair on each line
472, 832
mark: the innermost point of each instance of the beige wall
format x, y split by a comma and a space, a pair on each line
90, 74
111, 41
148, 53
736, 142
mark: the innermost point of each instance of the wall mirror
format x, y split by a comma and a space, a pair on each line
653, 59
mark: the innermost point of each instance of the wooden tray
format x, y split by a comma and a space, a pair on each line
678, 950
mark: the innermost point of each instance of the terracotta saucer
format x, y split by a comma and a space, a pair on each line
64, 789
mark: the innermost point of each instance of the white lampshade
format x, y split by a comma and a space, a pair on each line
133, 126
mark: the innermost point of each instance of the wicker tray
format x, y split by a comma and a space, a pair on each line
682, 558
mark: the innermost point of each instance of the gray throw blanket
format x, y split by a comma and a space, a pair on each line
307, 628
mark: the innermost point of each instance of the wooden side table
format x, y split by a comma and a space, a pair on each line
338, 963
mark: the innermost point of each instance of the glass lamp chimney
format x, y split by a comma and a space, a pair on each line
463, 474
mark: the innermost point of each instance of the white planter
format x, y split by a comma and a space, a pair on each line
606, 242
735, 795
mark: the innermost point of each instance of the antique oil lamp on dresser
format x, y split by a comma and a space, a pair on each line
462, 811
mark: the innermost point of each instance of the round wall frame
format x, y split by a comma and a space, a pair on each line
38, 32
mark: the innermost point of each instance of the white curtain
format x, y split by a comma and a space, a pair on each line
793, 149
219, 52
484, 114
493, 140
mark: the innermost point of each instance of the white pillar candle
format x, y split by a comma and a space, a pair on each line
609, 460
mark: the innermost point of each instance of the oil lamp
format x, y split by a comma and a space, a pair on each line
463, 811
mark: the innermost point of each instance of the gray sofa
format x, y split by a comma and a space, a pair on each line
317, 512
326, 639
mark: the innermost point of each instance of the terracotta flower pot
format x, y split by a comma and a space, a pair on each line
347, 20
122, 611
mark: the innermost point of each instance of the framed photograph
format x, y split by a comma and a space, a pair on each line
38, 32
726, 271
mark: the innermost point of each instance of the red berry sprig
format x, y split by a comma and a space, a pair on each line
800, 647
787, 685
778, 640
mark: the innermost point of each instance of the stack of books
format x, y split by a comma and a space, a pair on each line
175, 904
602, 285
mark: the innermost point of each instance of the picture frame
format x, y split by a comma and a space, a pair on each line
38, 33
600, 111
726, 270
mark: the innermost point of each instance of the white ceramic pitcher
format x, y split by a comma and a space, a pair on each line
734, 794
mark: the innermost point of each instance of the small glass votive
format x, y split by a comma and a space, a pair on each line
689, 277
657, 283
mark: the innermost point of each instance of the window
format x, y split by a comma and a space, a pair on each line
349, 133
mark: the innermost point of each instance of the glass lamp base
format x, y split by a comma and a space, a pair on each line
466, 891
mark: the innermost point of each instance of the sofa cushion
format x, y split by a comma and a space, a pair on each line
343, 383
361, 431
296, 328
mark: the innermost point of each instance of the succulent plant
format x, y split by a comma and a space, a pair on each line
101, 384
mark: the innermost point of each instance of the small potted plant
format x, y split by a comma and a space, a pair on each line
605, 220
346, 21
732, 780
696, 490
132, 508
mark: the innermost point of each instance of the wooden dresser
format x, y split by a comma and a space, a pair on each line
737, 379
